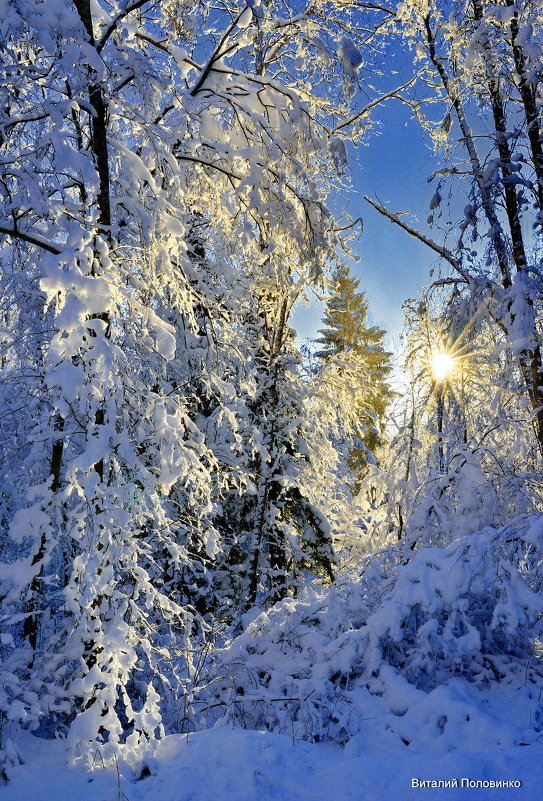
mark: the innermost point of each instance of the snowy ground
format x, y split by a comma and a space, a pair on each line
224, 764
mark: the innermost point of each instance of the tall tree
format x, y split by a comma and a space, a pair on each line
357, 351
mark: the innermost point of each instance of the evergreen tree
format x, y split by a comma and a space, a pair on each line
356, 351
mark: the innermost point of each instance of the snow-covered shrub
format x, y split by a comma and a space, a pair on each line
463, 610
280, 674
317, 666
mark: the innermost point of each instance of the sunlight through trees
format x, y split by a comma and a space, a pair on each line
199, 519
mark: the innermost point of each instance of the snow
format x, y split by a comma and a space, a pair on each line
245, 19
444, 728
151, 340
350, 56
224, 764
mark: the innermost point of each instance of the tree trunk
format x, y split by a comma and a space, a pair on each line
440, 409
99, 150
527, 91
31, 621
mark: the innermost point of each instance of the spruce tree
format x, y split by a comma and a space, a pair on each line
356, 351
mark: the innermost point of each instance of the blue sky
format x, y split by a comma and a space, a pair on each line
393, 166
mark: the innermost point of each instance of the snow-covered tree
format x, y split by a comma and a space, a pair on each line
483, 62
463, 454
164, 168
356, 350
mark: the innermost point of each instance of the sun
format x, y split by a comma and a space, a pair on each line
443, 364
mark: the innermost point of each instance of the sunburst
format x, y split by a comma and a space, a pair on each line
443, 365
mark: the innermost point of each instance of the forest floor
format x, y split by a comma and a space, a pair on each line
225, 764
345, 669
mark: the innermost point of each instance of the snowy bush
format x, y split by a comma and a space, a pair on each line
319, 666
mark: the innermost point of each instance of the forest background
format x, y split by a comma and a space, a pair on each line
201, 520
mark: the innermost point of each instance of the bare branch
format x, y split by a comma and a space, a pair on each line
440, 249
121, 15
351, 224
216, 55
165, 46
376, 102
210, 164
34, 239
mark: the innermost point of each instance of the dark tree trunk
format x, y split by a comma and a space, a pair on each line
99, 150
